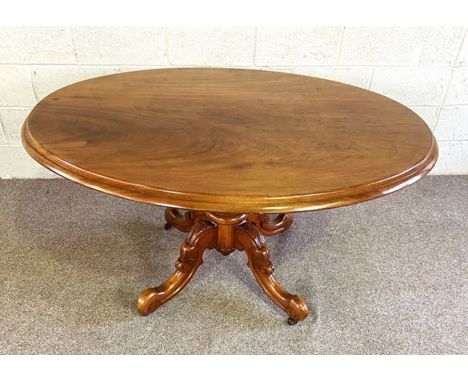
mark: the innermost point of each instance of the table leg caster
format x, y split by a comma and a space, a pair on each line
292, 321
167, 226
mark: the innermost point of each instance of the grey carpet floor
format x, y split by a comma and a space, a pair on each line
384, 277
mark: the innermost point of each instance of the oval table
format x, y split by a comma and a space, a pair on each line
223, 150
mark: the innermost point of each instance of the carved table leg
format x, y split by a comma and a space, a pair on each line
225, 232
181, 221
271, 227
201, 237
251, 240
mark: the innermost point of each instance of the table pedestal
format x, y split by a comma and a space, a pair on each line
225, 233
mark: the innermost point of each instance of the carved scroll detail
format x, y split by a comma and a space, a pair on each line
270, 227
183, 221
251, 240
202, 236
226, 233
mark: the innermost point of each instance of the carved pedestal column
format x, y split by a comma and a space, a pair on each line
226, 233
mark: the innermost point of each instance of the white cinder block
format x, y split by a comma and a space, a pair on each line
3, 139
47, 79
453, 124
12, 120
440, 45
15, 86
211, 46
120, 45
16, 163
381, 46
125, 68
428, 114
352, 76
453, 158
463, 56
400, 45
36, 45
458, 91
424, 86
297, 46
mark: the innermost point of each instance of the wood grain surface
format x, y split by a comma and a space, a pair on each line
229, 140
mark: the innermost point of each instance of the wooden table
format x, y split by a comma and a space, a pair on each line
223, 150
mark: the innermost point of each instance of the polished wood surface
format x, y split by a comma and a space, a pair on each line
228, 140
202, 237
229, 146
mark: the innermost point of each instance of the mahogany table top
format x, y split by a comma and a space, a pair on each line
229, 140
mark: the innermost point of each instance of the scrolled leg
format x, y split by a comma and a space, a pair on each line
250, 239
270, 227
183, 221
201, 237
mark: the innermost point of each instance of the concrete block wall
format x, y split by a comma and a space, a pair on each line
425, 68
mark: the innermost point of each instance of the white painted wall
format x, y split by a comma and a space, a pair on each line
426, 68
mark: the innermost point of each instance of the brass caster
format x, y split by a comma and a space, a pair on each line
292, 321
